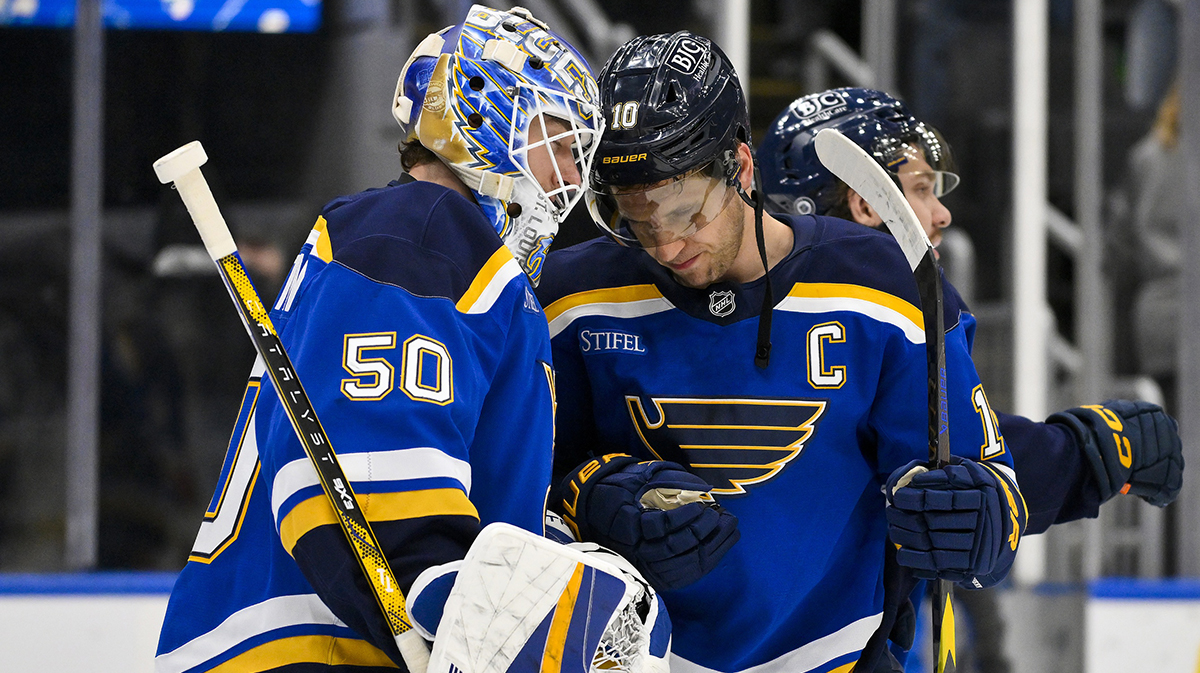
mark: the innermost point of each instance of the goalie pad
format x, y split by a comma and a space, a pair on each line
525, 604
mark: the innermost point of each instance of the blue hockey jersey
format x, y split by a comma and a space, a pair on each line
426, 357
799, 451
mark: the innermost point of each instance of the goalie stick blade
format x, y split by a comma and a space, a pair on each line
864, 175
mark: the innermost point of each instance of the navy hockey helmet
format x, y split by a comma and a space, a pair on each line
674, 108
796, 181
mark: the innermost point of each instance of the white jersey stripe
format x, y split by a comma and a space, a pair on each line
624, 309
912, 331
402, 464
244, 624
847, 640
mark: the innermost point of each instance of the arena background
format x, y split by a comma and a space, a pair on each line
122, 363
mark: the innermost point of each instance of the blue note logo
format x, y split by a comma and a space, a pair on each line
731, 443
721, 303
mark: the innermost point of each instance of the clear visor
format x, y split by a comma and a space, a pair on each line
944, 182
665, 212
556, 153
923, 154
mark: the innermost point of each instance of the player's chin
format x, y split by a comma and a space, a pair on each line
695, 274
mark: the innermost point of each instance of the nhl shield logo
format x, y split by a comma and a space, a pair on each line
721, 303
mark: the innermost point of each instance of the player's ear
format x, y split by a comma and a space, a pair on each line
746, 173
861, 211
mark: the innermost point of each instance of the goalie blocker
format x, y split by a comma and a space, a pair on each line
521, 603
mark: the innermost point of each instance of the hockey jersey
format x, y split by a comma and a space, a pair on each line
426, 356
799, 451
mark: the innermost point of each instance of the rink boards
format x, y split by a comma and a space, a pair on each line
105, 622
1143, 625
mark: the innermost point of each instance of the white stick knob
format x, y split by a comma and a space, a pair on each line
183, 168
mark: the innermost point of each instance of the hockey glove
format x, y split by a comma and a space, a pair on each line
633, 508
959, 523
1132, 447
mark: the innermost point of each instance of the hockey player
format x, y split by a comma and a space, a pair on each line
1079, 458
426, 357
1067, 466
803, 429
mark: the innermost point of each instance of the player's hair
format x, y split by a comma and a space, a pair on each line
1166, 120
840, 204
413, 154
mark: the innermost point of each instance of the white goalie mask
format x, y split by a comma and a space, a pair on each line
521, 600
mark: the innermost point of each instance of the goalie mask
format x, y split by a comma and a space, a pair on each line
524, 604
797, 182
474, 94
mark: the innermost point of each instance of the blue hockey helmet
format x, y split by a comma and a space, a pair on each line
470, 94
675, 108
797, 182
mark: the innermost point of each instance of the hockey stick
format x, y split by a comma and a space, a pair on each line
182, 167
864, 175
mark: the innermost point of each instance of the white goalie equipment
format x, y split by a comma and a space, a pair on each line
525, 604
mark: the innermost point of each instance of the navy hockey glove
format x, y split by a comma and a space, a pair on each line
960, 523
1132, 447
617, 501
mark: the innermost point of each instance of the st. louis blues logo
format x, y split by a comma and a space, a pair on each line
730, 443
720, 303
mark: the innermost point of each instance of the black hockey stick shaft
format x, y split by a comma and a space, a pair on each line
929, 289
182, 167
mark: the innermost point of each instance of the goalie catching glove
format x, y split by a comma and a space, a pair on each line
1132, 447
519, 603
960, 523
654, 513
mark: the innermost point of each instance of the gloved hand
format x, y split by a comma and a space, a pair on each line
1132, 447
671, 544
959, 523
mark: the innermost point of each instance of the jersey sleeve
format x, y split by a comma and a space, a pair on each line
576, 434
902, 435
1047, 461
435, 398
1049, 464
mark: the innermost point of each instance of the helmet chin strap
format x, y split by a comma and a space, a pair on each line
762, 350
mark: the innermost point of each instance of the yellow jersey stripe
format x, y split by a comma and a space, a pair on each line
491, 272
608, 295
850, 291
317, 511
323, 249
556, 639
619, 302
307, 649
875, 304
